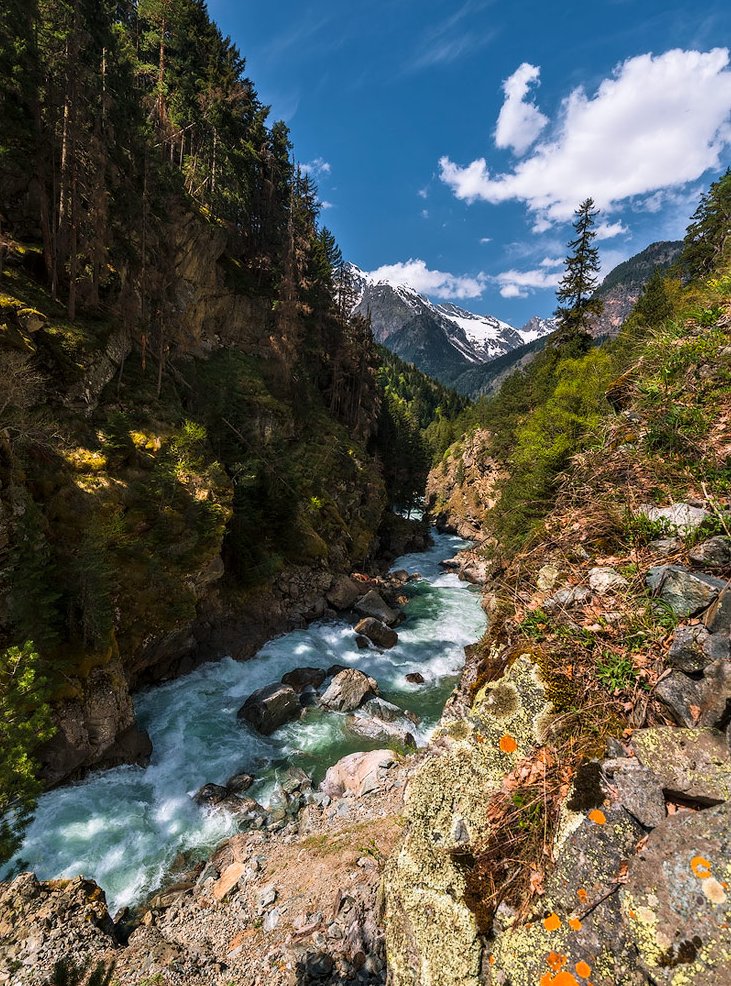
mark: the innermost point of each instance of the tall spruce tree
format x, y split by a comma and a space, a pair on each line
708, 238
577, 286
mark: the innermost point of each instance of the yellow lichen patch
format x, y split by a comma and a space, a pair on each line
700, 867
598, 817
552, 922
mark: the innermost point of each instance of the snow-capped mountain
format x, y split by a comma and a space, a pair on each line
443, 340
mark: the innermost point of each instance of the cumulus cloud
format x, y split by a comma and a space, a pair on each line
607, 231
520, 121
440, 284
317, 167
521, 283
656, 124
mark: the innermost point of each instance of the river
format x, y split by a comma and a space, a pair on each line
124, 827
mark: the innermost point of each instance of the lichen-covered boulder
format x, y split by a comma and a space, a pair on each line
348, 690
677, 903
431, 933
270, 707
689, 763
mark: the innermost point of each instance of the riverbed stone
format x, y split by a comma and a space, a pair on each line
358, 774
415, 678
377, 632
373, 604
344, 593
239, 783
270, 707
301, 678
379, 731
348, 690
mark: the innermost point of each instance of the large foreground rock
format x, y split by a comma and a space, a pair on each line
686, 593
358, 774
344, 593
372, 604
690, 763
271, 707
348, 690
377, 632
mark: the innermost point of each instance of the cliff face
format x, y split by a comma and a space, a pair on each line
161, 505
463, 486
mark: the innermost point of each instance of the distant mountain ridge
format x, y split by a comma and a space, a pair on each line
442, 340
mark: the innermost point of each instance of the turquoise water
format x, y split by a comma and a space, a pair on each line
124, 827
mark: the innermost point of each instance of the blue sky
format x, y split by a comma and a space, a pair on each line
451, 141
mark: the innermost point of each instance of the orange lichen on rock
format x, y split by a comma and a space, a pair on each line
700, 867
508, 744
583, 969
552, 922
598, 817
582, 895
574, 924
556, 961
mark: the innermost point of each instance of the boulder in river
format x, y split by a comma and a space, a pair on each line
348, 690
415, 678
344, 593
239, 783
380, 731
377, 632
358, 774
379, 708
361, 642
301, 678
270, 707
372, 604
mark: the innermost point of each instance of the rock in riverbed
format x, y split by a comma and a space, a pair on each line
348, 690
270, 707
377, 632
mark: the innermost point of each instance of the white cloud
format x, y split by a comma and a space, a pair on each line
657, 123
327, 205
551, 262
520, 122
521, 283
424, 192
317, 167
417, 275
424, 213
485, 239
607, 231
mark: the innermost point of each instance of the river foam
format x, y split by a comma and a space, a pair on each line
124, 827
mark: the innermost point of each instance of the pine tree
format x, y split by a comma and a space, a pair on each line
708, 239
580, 280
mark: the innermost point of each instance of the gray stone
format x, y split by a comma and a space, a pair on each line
718, 617
547, 578
348, 690
565, 598
638, 789
372, 604
379, 731
691, 763
676, 903
682, 696
379, 708
686, 593
239, 783
693, 648
682, 516
377, 632
605, 581
302, 678
271, 707
344, 593
665, 546
358, 774
714, 553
